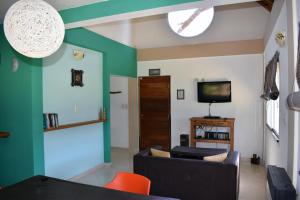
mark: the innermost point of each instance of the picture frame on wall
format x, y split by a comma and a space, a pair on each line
77, 76
154, 72
180, 94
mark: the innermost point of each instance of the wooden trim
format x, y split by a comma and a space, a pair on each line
4, 134
237, 6
267, 4
202, 50
73, 125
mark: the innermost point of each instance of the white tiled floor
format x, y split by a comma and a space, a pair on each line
253, 182
252, 185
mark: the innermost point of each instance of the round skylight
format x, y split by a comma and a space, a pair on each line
192, 22
34, 28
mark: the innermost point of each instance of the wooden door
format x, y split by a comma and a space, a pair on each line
155, 112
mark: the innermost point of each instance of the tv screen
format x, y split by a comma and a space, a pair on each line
214, 92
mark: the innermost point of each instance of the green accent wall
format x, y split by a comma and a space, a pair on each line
118, 59
114, 7
21, 155
21, 102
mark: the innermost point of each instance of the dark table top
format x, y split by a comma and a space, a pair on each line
193, 152
45, 188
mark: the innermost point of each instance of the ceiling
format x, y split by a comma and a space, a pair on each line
232, 22
58, 4
245, 21
65, 4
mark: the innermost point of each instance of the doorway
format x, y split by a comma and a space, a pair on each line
155, 112
124, 113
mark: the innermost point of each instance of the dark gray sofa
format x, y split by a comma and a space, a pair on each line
190, 179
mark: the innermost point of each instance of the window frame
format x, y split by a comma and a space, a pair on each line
275, 108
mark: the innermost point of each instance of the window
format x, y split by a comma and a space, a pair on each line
192, 22
272, 107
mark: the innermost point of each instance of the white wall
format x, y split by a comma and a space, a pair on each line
281, 154
119, 124
292, 32
119, 31
297, 121
231, 23
246, 74
276, 153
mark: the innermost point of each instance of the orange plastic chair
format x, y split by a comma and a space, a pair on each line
128, 182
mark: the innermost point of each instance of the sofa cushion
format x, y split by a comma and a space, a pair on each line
216, 158
159, 153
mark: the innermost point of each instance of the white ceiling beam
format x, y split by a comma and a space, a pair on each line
151, 12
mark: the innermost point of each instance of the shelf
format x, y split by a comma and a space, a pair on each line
74, 125
213, 141
4, 134
115, 92
225, 122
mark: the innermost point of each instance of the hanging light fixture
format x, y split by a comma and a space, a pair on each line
192, 22
34, 28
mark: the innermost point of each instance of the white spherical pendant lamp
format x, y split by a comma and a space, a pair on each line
34, 28
192, 22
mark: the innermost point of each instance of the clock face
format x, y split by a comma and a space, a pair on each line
192, 22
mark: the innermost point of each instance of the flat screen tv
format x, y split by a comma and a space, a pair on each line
214, 92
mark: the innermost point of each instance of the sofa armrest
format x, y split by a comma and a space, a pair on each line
233, 158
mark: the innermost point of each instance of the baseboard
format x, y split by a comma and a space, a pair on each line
90, 171
120, 148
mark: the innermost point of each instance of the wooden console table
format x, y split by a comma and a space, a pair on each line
222, 122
